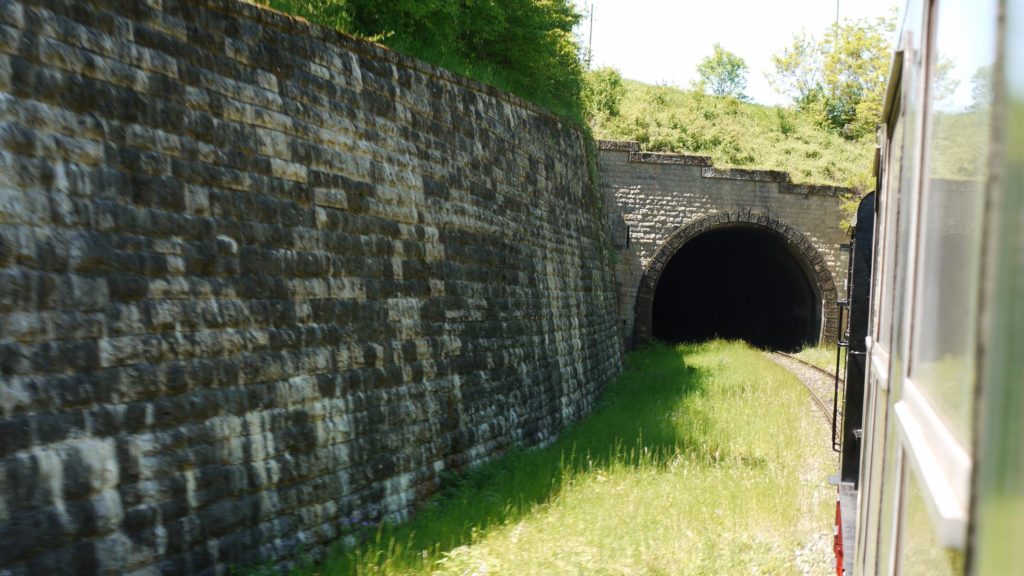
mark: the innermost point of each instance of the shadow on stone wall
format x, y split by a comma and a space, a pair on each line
259, 279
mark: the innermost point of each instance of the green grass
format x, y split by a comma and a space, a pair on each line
824, 357
738, 135
701, 459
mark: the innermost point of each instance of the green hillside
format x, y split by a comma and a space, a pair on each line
735, 134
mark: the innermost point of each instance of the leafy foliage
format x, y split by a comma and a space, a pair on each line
981, 88
840, 80
855, 74
723, 73
523, 46
602, 94
798, 71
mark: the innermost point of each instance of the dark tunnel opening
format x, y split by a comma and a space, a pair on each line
736, 283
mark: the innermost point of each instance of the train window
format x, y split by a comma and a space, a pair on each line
892, 188
906, 202
920, 552
877, 439
942, 354
935, 407
879, 524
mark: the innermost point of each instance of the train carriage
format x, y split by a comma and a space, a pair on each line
931, 479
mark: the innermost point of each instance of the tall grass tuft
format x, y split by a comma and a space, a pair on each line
701, 459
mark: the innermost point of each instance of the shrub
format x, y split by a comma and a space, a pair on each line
523, 46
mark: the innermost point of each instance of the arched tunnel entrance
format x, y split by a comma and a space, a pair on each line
737, 282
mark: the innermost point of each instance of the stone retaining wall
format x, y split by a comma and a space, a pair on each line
261, 282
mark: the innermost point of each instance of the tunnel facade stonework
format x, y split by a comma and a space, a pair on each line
262, 283
656, 203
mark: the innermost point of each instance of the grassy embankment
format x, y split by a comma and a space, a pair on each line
737, 135
701, 459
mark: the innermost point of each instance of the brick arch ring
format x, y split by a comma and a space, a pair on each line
807, 256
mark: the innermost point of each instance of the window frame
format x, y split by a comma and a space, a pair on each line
943, 466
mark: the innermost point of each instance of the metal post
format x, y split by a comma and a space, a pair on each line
590, 38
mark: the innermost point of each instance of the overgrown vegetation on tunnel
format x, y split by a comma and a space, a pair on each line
737, 134
701, 459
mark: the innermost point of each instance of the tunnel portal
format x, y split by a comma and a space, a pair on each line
736, 283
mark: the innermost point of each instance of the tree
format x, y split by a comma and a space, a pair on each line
724, 73
602, 93
855, 70
981, 88
798, 71
944, 80
841, 79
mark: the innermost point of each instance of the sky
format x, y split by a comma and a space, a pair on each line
662, 41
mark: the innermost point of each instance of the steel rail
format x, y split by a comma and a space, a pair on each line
826, 412
809, 365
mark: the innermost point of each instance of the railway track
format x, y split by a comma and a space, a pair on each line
812, 366
820, 383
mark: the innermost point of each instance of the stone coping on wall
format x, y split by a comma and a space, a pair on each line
708, 170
